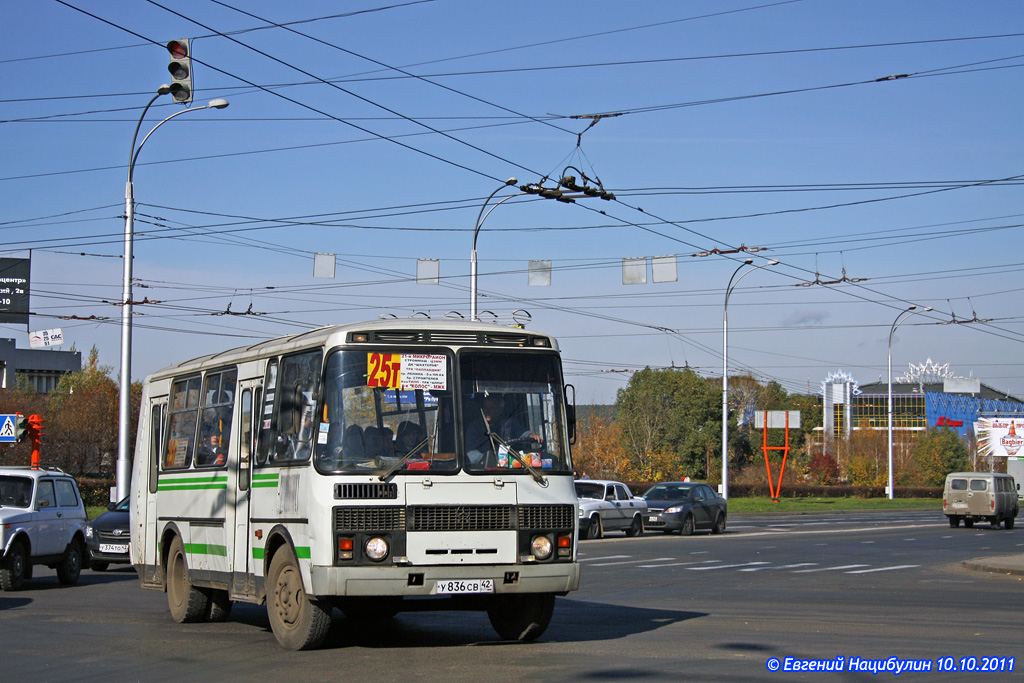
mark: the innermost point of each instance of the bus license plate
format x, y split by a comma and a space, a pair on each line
113, 547
464, 586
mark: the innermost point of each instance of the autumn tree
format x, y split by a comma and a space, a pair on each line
598, 451
82, 419
936, 453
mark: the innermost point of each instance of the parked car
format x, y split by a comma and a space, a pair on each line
980, 496
608, 506
42, 521
107, 537
685, 507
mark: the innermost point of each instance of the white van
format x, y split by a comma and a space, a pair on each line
977, 496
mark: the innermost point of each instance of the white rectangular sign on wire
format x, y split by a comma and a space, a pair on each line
43, 338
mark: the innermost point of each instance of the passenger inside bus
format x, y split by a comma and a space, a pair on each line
410, 437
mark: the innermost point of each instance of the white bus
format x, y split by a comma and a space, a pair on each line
373, 467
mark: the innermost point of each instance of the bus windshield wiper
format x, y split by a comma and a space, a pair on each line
537, 476
401, 461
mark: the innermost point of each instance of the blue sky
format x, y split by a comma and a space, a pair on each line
375, 131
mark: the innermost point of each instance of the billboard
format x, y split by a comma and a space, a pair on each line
1000, 437
15, 274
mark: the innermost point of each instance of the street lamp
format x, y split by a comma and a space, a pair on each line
481, 217
725, 367
124, 403
912, 310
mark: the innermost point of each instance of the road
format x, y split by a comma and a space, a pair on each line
821, 586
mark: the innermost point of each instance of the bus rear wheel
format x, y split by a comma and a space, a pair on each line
521, 617
299, 622
187, 603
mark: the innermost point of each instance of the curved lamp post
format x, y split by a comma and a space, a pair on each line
124, 403
725, 367
912, 310
481, 217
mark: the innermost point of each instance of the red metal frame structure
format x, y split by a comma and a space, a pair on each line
773, 488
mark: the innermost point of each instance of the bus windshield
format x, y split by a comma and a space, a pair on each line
512, 412
387, 412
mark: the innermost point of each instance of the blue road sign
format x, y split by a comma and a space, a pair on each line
7, 433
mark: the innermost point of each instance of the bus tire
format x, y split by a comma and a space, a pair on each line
521, 616
14, 568
299, 622
186, 602
218, 605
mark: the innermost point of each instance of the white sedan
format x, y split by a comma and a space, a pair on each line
608, 506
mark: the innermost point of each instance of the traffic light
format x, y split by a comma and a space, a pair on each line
180, 69
20, 427
35, 424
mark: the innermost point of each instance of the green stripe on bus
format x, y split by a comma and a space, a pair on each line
301, 552
206, 549
192, 486
265, 481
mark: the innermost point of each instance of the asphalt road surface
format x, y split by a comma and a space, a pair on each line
874, 589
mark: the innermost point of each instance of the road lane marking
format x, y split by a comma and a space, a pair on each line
610, 564
884, 569
606, 557
781, 566
836, 531
724, 566
676, 564
830, 569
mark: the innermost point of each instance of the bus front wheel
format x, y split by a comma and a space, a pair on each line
521, 616
299, 622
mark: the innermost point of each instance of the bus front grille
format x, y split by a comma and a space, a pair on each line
461, 518
369, 518
546, 517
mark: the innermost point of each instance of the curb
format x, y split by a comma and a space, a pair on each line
1004, 564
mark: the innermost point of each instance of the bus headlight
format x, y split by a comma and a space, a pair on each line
541, 547
376, 548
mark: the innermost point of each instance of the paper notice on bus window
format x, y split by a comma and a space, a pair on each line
407, 371
424, 371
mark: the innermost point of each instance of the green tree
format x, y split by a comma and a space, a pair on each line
669, 420
938, 452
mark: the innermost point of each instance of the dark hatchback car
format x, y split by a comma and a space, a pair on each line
684, 507
107, 537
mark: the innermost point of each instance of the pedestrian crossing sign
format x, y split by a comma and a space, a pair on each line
7, 431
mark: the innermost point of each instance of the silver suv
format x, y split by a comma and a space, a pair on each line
42, 521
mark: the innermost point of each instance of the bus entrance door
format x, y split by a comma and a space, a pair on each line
242, 583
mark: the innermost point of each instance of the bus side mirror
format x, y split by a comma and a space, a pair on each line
570, 412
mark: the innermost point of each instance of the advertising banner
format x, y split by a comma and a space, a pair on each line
15, 274
1000, 437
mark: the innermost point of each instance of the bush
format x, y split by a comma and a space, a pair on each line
95, 492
